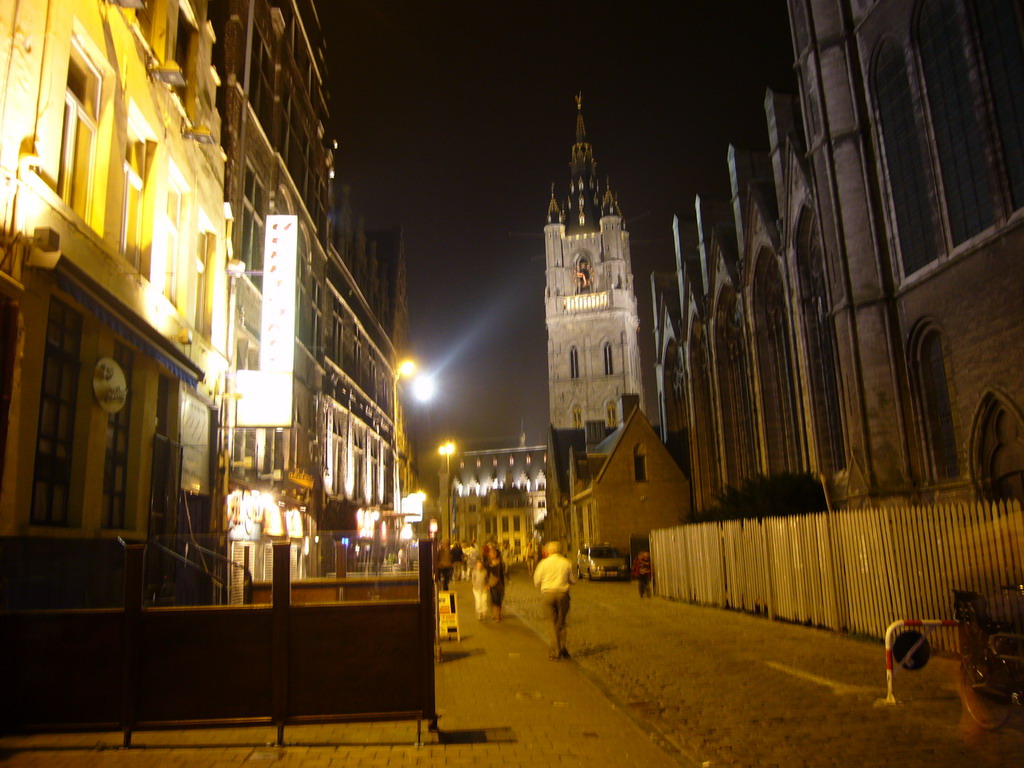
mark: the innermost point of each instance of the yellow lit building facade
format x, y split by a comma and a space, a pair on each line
113, 293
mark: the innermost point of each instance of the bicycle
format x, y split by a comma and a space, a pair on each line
991, 660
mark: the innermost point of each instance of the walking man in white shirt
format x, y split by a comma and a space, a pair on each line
553, 575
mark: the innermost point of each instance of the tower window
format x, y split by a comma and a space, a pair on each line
608, 368
611, 410
577, 417
574, 363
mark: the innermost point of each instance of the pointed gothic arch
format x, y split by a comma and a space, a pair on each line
998, 449
911, 212
703, 442
734, 396
932, 403
819, 330
774, 362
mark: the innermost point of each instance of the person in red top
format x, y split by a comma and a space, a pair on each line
642, 572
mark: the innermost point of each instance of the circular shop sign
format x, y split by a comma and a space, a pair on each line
109, 385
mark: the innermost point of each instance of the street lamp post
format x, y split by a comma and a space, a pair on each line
447, 450
404, 369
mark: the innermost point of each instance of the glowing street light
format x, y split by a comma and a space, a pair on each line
447, 450
423, 388
406, 368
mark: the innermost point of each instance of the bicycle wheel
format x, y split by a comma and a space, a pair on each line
990, 710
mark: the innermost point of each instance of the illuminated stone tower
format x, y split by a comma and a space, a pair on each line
590, 307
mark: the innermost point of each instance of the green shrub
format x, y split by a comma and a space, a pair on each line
763, 496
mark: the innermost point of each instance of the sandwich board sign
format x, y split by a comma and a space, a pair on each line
448, 616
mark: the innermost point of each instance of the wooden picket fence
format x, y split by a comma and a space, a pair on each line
851, 571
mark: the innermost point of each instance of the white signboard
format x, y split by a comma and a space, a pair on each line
264, 399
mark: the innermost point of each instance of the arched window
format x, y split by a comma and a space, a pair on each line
999, 22
1000, 453
577, 417
704, 439
940, 438
904, 159
955, 125
574, 363
775, 365
820, 339
608, 367
639, 464
612, 413
734, 391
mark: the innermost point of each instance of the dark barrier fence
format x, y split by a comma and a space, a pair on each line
137, 668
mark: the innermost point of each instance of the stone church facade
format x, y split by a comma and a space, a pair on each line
856, 309
590, 305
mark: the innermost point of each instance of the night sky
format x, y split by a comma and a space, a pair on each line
454, 118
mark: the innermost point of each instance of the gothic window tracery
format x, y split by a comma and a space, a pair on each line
821, 358
775, 366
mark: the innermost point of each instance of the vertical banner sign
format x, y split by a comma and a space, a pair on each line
266, 394
277, 332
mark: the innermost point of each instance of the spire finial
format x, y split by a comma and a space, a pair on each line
581, 131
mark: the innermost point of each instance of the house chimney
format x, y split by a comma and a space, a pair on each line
595, 434
627, 404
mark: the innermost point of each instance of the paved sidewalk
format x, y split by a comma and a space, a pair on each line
501, 702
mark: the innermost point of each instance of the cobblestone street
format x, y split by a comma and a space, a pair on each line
729, 689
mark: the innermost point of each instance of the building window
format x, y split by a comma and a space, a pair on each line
54, 442
938, 415
639, 464
914, 219
574, 363
608, 367
955, 122
135, 167
612, 413
206, 246
577, 417
78, 142
172, 228
115, 464
261, 88
253, 204
999, 22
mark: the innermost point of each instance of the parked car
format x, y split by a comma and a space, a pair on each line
601, 562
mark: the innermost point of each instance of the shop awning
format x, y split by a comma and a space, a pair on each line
121, 318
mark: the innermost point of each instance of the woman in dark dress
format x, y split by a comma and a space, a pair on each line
496, 580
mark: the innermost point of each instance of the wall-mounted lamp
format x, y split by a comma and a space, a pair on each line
199, 133
235, 267
128, 3
168, 74
184, 335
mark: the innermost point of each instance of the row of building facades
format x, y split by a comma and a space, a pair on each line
164, 163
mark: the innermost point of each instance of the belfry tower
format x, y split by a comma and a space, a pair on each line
590, 307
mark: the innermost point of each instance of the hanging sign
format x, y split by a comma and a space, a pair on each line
109, 385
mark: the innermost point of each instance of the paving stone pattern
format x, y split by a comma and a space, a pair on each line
730, 689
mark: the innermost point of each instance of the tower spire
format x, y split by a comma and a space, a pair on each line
581, 130
584, 210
